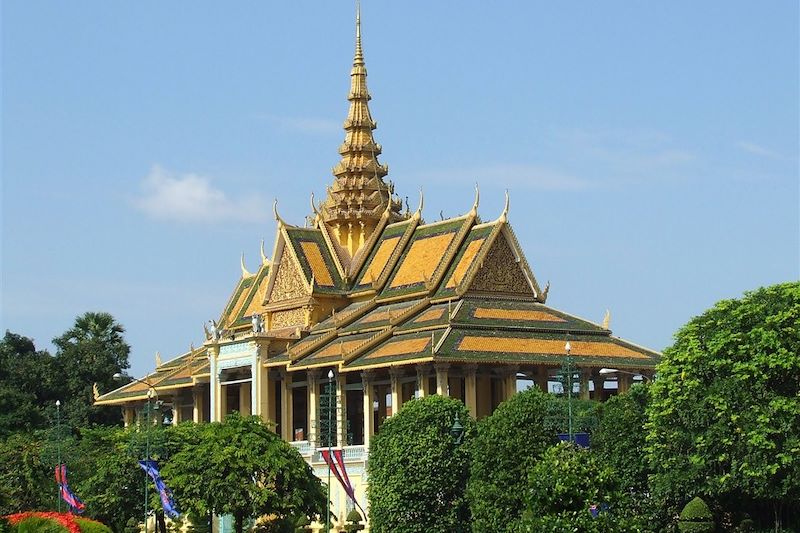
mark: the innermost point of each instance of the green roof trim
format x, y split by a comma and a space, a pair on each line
391, 231
450, 349
408, 351
263, 272
522, 314
421, 232
380, 316
326, 355
300, 235
478, 232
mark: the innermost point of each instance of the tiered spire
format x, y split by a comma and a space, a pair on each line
358, 196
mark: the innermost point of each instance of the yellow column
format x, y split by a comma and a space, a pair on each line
422, 381
176, 410
128, 415
286, 407
397, 393
245, 399
215, 389
222, 402
471, 389
369, 420
197, 405
441, 379
313, 405
510, 382
586, 376
623, 383
541, 378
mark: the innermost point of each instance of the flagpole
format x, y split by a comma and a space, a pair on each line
58, 448
330, 458
150, 391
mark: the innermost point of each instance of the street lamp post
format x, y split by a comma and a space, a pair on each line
568, 349
457, 430
58, 447
330, 457
617, 371
151, 390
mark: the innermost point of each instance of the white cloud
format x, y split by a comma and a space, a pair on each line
642, 150
304, 124
757, 149
192, 198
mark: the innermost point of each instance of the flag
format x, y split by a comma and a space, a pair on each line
75, 504
167, 499
341, 475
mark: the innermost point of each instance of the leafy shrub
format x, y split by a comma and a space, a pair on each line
569, 489
696, 517
353, 522
92, 526
37, 524
506, 446
418, 472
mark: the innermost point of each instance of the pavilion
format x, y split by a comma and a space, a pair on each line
398, 308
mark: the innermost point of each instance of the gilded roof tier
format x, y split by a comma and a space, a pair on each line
367, 286
359, 193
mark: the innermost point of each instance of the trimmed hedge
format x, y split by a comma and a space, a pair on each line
50, 522
696, 517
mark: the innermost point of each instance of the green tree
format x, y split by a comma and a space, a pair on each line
584, 415
418, 472
506, 446
240, 467
29, 385
107, 476
564, 485
620, 439
725, 410
91, 351
26, 476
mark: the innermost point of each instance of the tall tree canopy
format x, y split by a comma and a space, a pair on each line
418, 472
507, 444
725, 410
91, 351
240, 467
29, 385
619, 440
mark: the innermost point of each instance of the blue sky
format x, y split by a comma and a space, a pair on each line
650, 149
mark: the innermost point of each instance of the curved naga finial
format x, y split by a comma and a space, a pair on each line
418, 212
313, 206
607, 319
275, 212
504, 214
245, 273
477, 199
264, 260
543, 296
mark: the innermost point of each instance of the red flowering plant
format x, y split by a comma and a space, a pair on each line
64, 519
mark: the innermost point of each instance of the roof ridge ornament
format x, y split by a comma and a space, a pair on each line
418, 212
278, 218
504, 215
264, 259
477, 201
245, 272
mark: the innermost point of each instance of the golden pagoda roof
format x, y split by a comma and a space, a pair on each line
359, 192
401, 291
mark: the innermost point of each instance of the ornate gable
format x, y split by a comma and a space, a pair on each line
502, 271
289, 281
